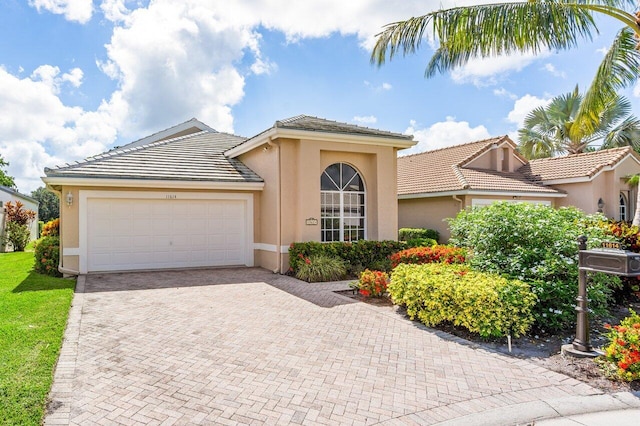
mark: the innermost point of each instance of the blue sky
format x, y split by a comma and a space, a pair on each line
79, 76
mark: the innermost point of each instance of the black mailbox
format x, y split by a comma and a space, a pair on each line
617, 262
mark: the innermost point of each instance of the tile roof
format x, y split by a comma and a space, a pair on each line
444, 170
17, 194
306, 122
196, 157
587, 164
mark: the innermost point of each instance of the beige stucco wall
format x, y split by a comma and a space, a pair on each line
302, 163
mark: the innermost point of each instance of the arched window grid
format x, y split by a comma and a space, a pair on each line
342, 203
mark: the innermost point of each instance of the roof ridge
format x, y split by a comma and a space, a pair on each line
482, 150
458, 173
121, 151
584, 154
453, 146
297, 117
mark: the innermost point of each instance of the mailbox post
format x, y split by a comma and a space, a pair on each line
610, 259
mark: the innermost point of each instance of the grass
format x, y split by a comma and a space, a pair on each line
33, 315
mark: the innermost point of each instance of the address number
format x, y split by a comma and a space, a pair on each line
171, 196
611, 245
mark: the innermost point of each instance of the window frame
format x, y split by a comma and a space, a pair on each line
338, 203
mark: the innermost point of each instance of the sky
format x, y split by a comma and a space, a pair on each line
78, 77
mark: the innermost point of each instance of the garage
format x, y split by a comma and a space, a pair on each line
134, 231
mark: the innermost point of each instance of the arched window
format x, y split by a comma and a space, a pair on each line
342, 201
623, 207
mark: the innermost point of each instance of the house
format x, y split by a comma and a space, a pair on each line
190, 196
8, 194
436, 185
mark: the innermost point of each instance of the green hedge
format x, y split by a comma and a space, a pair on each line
484, 303
358, 255
407, 234
47, 255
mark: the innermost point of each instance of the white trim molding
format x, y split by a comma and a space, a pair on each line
85, 195
485, 193
154, 183
270, 248
71, 251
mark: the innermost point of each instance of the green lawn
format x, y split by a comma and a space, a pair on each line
33, 315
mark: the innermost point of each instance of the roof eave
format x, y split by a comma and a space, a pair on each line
152, 183
482, 192
278, 132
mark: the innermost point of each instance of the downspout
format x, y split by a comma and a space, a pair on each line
455, 197
278, 206
61, 269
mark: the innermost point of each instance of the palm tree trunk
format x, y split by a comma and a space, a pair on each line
636, 215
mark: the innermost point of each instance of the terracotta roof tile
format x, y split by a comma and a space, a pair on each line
576, 165
444, 170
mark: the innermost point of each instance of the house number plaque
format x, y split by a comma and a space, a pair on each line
171, 196
311, 221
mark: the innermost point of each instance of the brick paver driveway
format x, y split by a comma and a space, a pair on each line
248, 346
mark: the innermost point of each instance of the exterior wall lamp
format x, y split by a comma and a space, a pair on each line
600, 205
69, 198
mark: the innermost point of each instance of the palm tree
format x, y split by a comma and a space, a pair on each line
555, 128
485, 31
634, 181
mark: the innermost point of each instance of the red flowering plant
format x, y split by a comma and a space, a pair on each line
622, 356
422, 255
372, 283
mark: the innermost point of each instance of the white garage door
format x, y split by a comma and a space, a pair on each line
129, 234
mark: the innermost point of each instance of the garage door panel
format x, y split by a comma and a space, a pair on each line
128, 234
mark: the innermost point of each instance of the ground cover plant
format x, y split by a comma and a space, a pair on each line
372, 283
421, 255
622, 355
537, 244
33, 315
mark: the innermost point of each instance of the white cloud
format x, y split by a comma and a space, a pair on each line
603, 50
367, 119
380, 87
504, 93
442, 134
488, 71
37, 130
553, 71
524, 106
73, 10
115, 10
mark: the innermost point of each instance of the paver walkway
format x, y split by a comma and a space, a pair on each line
247, 346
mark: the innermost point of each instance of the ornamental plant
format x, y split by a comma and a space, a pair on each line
319, 268
421, 255
537, 244
47, 256
51, 228
483, 303
623, 351
17, 227
373, 283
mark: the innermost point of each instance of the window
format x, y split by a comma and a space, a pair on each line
342, 198
623, 207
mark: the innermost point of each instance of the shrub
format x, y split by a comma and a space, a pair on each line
627, 234
47, 254
319, 267
422, 242
16, 234
357, 255
536, 244
420, 255
407, 234
484, 303
623, 351
51, 228
16, 213
373, 283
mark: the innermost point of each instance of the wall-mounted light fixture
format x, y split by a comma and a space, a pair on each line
69, 198
600, 205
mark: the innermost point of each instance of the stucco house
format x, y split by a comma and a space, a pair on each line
9, 194
437, 184
190, 196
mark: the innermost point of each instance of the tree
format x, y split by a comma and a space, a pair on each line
554, 129
17, 227
5, 179
49, 207
490, 30
634, 181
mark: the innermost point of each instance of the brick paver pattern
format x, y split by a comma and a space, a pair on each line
247, 346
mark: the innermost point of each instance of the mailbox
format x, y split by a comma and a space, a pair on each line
617, 262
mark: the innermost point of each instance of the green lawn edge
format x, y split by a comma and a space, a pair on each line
33, 316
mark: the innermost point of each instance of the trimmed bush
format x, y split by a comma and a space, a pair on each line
16, 234
319, 268
357, 255
421, 255
47, 254
623, 352
483, 303
408, 234
373, 283
537, 244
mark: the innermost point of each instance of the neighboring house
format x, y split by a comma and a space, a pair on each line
190, 196
8, 194
436, 185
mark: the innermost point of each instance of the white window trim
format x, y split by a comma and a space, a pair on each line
341, 193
